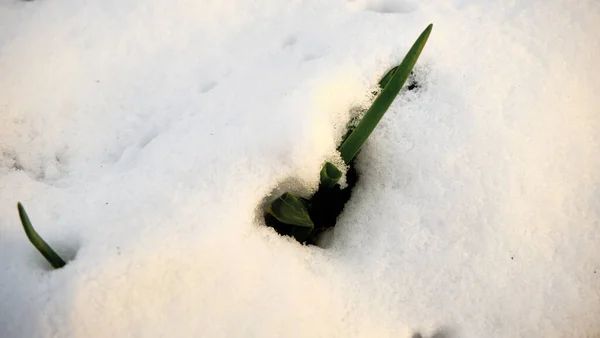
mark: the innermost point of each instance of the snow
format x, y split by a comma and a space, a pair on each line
144, 137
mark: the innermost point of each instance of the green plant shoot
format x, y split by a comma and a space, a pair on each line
294, 211
290, 209
330, 175
392, 82
52, 257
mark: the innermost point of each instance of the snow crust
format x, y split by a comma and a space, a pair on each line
143, 137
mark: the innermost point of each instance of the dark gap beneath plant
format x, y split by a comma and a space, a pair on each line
324, 207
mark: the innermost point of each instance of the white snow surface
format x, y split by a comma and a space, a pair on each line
144, 138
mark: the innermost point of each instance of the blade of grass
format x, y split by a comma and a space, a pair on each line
52, 257
365, 127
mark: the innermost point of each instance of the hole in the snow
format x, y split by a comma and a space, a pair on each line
68, 251
323, 207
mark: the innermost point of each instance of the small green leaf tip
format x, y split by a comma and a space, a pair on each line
387, 77
289, 209
37, 241
330, 175
391, 84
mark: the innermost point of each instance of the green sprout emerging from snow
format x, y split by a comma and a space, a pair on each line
298, 216
391, 84
51, 256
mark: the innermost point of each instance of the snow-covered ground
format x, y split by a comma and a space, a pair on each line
144, 136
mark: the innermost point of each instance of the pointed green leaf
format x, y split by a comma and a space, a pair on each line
52, 257
289, 209
387, 77
365, 127
330, 175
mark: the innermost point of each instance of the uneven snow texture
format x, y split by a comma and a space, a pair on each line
143, 137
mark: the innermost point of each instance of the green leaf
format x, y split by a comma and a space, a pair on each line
387, 77
393, 81
330, 175
289, 209
37, 241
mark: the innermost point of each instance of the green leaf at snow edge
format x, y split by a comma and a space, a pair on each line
52, 257
392, 86
387, 77
289, 209
330, 175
